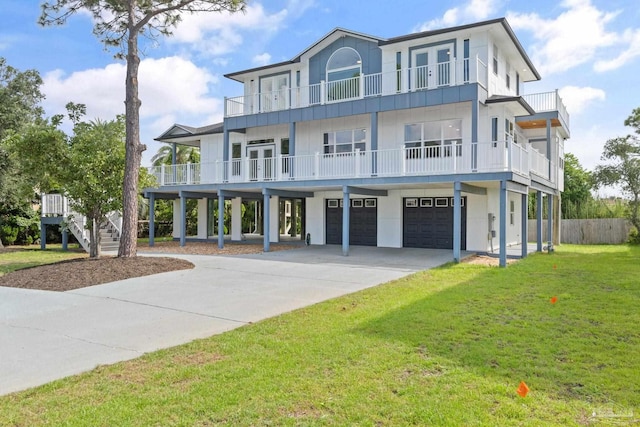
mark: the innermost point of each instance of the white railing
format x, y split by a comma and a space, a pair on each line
115, 220
469, 157
76, 223
539, 164
450, 73
53, 205
548, 101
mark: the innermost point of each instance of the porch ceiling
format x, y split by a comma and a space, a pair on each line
537, 124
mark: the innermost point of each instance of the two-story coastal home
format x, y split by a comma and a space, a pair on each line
424, 140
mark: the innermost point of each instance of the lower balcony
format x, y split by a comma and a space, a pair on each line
466, 158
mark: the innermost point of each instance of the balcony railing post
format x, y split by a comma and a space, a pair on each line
357, 165
403, 161
323, 92
188, 172
162, 172
316, 165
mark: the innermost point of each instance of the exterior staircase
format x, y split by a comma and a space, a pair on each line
57, 205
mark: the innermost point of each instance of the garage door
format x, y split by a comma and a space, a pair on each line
428, 222
363, 222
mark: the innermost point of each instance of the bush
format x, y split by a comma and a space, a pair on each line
8, 234
634, 237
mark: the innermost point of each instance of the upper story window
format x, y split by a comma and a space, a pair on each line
345, 63
433, 139
345, 141
495, 59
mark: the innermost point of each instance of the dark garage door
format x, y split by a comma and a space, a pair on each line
428, 222
363, 222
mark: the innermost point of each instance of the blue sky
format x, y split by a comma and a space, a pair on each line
588, 49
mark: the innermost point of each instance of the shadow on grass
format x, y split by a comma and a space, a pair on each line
502, 323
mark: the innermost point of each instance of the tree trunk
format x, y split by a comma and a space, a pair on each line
128, 238
94, 235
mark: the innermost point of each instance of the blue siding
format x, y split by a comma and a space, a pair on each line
400, 101
369, 52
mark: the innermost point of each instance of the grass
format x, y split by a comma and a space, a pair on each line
20, 257
444, 347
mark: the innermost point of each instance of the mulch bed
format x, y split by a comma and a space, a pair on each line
80, 273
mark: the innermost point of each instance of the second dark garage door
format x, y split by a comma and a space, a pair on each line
363, 222
428, 222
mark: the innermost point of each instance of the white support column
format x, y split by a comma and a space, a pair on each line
274, 219
202, 219
236, 219
177, 219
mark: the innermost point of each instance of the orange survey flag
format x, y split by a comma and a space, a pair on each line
523, 389
553, 300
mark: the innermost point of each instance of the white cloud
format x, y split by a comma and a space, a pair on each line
575, 37
262, 59
220, 33
472, 11
172, 90
577, 99
166, 85
632, 52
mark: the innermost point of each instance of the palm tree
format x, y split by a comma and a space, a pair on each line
184, 154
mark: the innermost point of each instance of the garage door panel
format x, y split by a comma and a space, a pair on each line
431, 226
363, 224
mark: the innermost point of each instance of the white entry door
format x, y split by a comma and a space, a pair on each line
274, 93
432, 67
262, 162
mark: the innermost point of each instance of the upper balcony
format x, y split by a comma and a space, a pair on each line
443, 74
544, 103
465, 158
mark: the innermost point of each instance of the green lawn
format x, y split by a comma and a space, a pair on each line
444, 347
31, 256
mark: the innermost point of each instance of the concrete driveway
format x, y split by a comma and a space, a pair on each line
50, 335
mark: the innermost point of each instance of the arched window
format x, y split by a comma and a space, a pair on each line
345, 63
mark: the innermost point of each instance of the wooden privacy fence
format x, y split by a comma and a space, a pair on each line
587, 231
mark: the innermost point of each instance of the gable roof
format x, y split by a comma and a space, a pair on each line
177, 132
295, 59
502, 22
498, 22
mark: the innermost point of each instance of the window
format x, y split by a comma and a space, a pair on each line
494, 131
495, 59
509, 132
236, 156
466, 60
344, 68
333, 203
345, 141
284, 151
508, 76
411, 203
433, 139
357, 203
260, 141
370, 203
442, 202
512, 212
426, 202
398, 72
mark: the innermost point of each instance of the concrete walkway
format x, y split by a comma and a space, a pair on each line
50, 335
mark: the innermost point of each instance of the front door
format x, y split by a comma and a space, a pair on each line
261, 163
